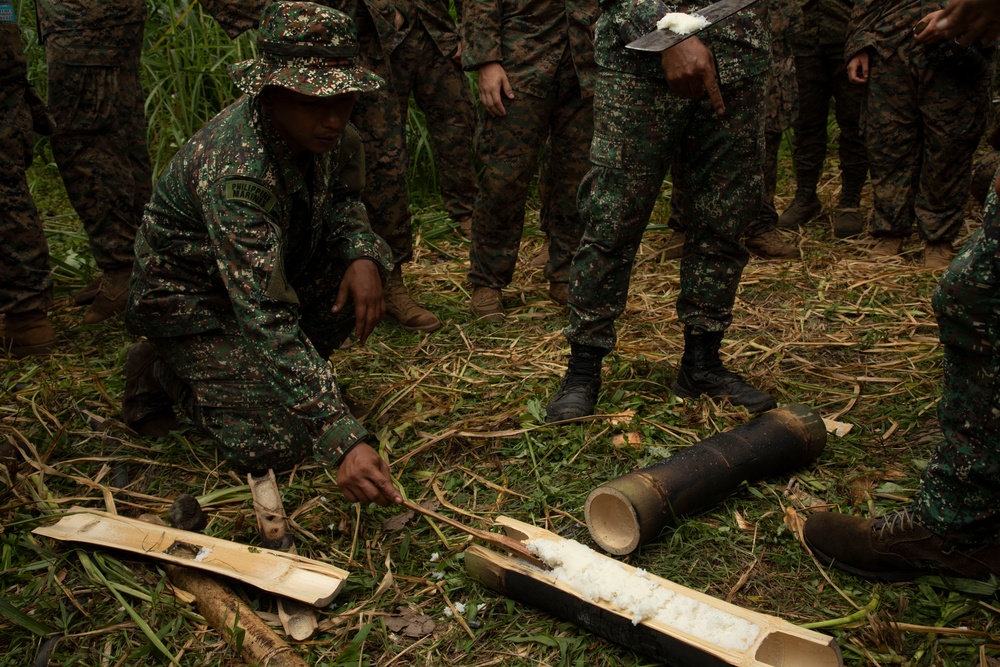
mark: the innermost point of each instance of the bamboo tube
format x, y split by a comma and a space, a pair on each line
631, 511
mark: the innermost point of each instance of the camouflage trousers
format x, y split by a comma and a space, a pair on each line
376, 115
25, 275
217, 380
639, 127
960, 487
820, 78
97, 101
509, 150
922, 125
441, 90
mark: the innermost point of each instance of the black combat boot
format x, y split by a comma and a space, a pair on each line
578, 390
147, 407
702, 373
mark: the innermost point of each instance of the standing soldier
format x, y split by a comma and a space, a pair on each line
926, 108
377, 118
649, 108
427, 63
92, 48
536, 69
25, 275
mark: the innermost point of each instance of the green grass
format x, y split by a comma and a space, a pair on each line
458, 416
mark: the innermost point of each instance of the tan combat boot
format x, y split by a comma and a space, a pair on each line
111, 298
542, 258
888, 247
674, 249
938, 255
27, 334
401, 307
487, 303
770, 245
559, 292
86, 296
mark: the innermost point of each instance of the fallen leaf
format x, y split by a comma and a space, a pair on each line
794, 521
410, 624
742, 523
630, 438
622, 417
839, 429
398, 521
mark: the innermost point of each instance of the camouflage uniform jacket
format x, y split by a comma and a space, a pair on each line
529, 38
436, 19
824, 24
741, 44
882, 25
231, 223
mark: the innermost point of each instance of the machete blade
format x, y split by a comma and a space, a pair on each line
661, 40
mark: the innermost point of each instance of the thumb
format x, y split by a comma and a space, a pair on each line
507, 90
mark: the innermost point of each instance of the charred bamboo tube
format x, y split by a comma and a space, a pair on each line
632, 510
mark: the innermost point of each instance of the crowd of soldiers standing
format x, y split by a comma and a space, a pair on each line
613, 123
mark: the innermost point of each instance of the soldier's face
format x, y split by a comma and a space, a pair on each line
308, 123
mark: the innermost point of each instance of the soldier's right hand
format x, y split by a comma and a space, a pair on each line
971, 21
690, 70
857, 69
493, 87
363, 476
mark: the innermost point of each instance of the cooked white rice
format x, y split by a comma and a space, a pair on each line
681, 23
597, 578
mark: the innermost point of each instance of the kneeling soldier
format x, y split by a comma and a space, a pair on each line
255, 260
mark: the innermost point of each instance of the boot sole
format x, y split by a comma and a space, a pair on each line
426, 328
754, 409
24, 351
883, 575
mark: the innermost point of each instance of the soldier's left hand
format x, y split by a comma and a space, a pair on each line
363, 284
927, 31
969, 21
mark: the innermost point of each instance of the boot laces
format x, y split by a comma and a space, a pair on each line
900, 520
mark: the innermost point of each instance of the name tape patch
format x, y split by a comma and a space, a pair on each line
252, 193
7, 14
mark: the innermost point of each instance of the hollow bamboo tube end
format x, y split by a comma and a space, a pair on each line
612, 521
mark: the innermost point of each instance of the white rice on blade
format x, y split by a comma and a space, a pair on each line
681, 23
599, 579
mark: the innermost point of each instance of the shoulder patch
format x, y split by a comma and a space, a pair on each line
251, 193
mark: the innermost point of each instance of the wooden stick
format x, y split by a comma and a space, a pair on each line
504, 542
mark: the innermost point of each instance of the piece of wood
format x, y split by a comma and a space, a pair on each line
778, 642
259, 645
496, 539
293, 576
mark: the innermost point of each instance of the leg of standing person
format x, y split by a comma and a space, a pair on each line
25, 274
848, 98
952, 526
508, 149
809, 140
100, 147
380, 124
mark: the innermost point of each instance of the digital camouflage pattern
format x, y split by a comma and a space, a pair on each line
307, 48
530, 39
422, 64
25, 276
821, 75
553, 103
376, 115
239, 253
639, 127
92, 48
959, 495
922, 125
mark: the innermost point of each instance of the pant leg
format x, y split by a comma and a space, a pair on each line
637, 123
810, 128
721, 159
442, 93
568, 161
895, 144
767, 217
508, 148
853, 152
383, 133
25, 276
960, 487
954, 114
99, 143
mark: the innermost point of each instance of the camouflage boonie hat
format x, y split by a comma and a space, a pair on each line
305, 47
